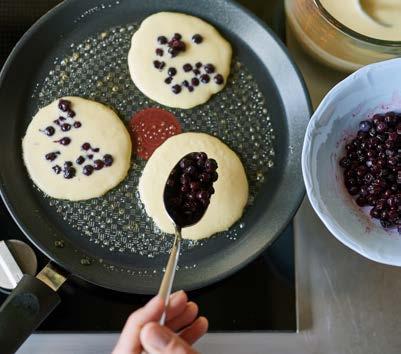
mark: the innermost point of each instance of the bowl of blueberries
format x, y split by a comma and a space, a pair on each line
351, 161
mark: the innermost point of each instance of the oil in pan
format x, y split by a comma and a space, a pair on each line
97, 68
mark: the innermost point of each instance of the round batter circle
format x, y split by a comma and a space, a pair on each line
231, 188
213, 49
100, 127
151, 127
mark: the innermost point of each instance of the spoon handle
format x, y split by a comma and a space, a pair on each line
168, 278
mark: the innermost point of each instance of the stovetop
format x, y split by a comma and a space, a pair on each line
260, 297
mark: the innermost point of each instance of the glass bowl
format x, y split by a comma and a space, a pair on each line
333, 43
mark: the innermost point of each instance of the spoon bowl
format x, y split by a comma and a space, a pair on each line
186, 197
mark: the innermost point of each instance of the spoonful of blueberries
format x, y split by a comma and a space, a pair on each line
186, 197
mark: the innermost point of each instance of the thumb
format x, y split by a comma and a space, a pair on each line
157, 339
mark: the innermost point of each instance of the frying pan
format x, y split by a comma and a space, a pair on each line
274, 206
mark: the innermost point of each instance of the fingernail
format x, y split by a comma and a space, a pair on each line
158, 338
176, 294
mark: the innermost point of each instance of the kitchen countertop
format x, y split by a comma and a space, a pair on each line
346, 303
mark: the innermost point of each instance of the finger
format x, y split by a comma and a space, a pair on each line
177, 304
196, 330
185, 318
129, 341
157, 339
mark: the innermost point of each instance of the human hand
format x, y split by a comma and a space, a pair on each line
143, 332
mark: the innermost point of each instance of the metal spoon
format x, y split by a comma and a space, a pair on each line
180, 221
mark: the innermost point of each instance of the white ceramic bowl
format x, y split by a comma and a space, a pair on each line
373, 89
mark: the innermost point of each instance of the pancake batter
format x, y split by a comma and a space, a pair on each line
76, 149
231, 188
178, 60
373, 18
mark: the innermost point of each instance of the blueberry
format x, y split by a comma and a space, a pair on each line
185, 83
365, 125
67, 164
177, 36
49, 131
159, 64
190, 88
56, 169
361, 171
51, 156
168, 80
85, 146
108, 160
195, 81
374, 213
173, 52
219, 79
185, 163
185, 179
198, 65
345, 162
187, 67
70, 113
203, 196
184, 188
391, 118
178, 45
211, 165
159, 52
162, 40
353, 190
205, 78
65, 127
190, 206
194, 185
209, 68
80, 160
377, 118
196, 72
202, 156
87, 170
98, 164
69, 173
204, 177
172, 71
214, 176
170, 182
77, 124
64, 141
372, 131
64, 105
192, 195
201, 159
392, 136
191, 170
197, 38
381, 127
176, 89
385, 223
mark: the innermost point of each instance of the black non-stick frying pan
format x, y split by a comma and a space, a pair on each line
261, 53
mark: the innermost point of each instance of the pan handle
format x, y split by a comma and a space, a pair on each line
26, 307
